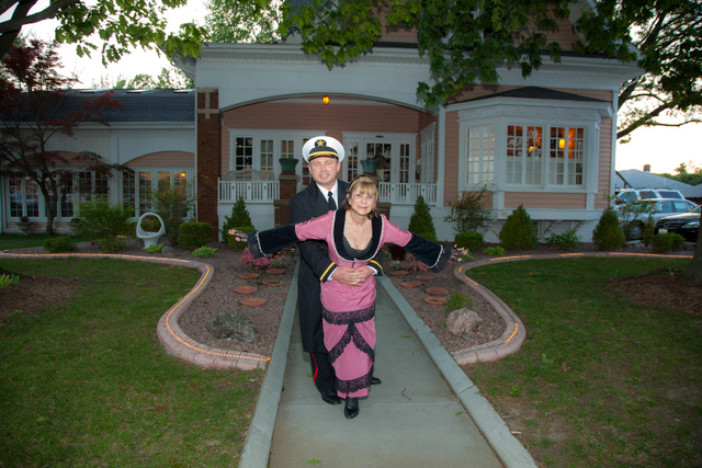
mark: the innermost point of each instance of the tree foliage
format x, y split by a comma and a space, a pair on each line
247, 21
166, 79
668, 35
32, 95
115, 24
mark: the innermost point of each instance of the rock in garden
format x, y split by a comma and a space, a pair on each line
233, 325
461, 322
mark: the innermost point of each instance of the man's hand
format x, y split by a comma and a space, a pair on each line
351, 276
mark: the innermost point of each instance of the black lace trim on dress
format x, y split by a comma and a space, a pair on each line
351, 334
348, 386
344, 318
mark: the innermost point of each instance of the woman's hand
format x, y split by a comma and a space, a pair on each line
240, 236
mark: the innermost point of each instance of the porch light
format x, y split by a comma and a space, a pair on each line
325, 99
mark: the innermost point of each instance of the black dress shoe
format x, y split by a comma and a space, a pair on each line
351, 409
330, 396
376, 381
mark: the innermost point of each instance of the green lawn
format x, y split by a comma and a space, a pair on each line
89, 384
599, 381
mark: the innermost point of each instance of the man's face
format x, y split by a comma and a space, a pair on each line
324, 171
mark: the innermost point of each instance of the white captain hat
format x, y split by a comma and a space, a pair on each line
323, 147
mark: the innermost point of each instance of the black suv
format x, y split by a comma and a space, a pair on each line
686, 224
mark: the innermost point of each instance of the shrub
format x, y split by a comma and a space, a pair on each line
204, 251
649, 231
568, 240
266, 262
193, 234
608, 234
519, 231
150, 224
470, 240
102, 221
59, 244
420, 222
239, 220
469, 212
172, 206
667, 242
154, 248
494, 251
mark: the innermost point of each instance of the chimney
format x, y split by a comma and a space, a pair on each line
647, 168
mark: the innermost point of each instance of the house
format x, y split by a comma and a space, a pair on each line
546, 141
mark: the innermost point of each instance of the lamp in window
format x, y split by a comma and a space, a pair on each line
561, 143
325, 99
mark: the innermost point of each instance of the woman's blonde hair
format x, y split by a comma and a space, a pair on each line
364, 184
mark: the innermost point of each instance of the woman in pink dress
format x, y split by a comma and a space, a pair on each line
355, 233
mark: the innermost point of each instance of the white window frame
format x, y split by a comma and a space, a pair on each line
362, 139
502, 112
277, 136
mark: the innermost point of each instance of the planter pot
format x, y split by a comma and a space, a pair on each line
370, 166
288, 165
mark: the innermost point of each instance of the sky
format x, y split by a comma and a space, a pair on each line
663, 148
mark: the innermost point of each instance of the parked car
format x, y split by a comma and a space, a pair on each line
629, 195
686, 224
633, 216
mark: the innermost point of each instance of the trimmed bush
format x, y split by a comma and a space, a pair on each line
420, 222
59, 244
519, 231
193, 234
568, 240
667, 242
608, 234
471, 240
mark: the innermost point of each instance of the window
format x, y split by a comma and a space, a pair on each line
243, 153
395, 154
566, 156
266, 164
138, 185
524, 154
480, 165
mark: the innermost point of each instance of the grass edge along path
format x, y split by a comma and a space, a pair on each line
89, 383
599, 381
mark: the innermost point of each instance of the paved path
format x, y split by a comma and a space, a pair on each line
426, 413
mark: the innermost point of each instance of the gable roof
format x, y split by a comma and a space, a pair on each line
147, 105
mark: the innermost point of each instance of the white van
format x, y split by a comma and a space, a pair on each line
629, 195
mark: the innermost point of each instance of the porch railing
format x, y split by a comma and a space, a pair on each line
406, 194
252, 191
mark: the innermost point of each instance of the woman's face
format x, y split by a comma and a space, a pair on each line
362, 201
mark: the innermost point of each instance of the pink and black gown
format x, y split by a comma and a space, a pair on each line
348, 312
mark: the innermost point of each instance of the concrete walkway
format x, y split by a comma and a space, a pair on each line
426, 413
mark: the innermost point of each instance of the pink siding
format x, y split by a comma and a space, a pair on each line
575, 201
605, 170
333, 119
164, 159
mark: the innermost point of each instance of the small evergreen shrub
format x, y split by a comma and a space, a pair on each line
59, 244
608, 234
519, 231
420, 222
568, 240
666, 242
204, 251
193, 234
239, 220
470, 240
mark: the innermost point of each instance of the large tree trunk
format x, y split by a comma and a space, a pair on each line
50, 200
694, 271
